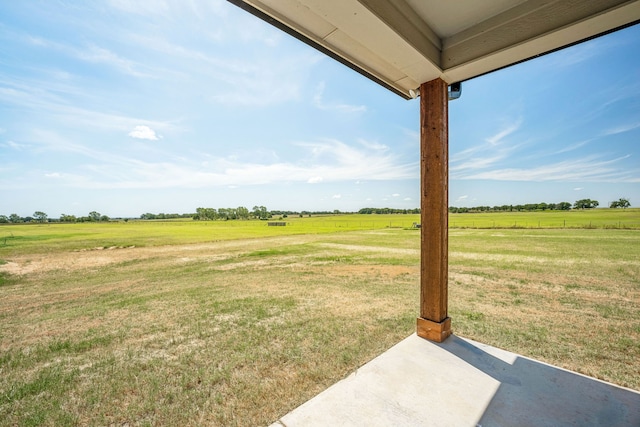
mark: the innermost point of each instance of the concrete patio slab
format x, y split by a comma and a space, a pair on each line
465, 383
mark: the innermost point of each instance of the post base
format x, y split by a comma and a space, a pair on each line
434, 331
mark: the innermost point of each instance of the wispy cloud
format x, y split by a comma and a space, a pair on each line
42, 102
100, 55
327, 161
320, 103
92, 53
621, 128
503, 133
232, 77
14, 145
572, 147
485, 154
477, 163
590, 168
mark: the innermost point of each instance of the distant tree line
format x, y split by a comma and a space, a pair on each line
41, 217
92, 217
386, 211
562, 206
261, 212
225, 214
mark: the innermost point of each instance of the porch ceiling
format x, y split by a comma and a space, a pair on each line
403, 43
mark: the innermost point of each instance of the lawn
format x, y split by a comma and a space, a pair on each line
586, 218
184, 323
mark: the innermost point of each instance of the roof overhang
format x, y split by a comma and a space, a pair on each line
403, 43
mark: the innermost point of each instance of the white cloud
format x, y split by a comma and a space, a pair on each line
314, 180
336, 196
372, 145
143, 132
395, 195
577, 189
407, 199
462, 198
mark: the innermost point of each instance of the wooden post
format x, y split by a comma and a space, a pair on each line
434, 323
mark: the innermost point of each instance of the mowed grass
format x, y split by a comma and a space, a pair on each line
51, 237
38, 238
239, 331
589, 218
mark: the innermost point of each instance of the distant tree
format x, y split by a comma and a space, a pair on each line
242, 212
206, 214
4, 219
621, 203
15, 218
67, 218
563, 206
585, 204
104, 218
94, 216
260, 212
40, 216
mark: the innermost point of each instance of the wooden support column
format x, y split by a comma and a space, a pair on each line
434, 323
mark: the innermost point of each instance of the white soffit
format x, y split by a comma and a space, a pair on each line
403, 43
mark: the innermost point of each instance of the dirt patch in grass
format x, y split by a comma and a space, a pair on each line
365, 248
100, 257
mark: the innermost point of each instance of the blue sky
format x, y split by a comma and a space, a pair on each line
127, 107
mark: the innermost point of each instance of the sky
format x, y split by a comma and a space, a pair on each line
126, 107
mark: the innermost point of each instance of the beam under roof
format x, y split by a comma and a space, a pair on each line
403, 43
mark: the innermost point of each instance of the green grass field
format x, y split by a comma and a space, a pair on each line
34, 238
595, 218
236, 323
